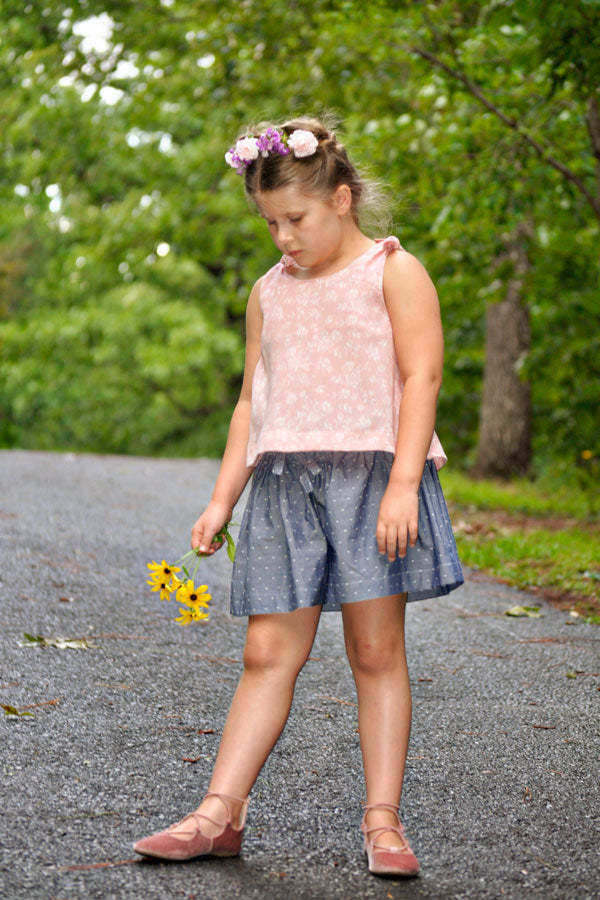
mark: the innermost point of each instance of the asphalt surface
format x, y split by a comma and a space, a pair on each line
501, 796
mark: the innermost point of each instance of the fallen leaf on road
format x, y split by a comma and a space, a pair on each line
527, 795
191, 759
12, 710
544, 727
59, 642
531, 612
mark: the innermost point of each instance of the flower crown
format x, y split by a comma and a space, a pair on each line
247, 149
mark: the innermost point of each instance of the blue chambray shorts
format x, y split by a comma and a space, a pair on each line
307, 535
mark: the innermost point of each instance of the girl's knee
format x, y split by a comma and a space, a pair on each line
265, 650
375, 656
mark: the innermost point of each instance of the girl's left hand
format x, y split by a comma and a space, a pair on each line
398, 519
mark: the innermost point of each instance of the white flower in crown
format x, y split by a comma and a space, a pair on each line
303, 143
246, 149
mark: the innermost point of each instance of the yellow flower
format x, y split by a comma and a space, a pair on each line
587, 454
192, 596
190, 615
163, 586
162, 571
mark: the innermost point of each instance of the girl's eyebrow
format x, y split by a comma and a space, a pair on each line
291, 213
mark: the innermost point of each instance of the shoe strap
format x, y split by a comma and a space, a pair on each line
244, 801
195, 816
379, 829
393, 806
397, 829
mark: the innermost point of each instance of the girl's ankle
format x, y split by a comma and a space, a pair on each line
223, 810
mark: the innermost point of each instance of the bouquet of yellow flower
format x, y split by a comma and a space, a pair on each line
163, 578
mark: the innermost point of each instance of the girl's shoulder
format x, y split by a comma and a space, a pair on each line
405, 275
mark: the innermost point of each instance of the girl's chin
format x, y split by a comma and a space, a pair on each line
299, 259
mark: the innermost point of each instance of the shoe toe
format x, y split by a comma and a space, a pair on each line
166, 846
393, 863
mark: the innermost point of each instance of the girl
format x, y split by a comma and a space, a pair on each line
345, 511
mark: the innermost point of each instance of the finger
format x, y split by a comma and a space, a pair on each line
413, 530
214, 546
402, 535
392, 538
204, 543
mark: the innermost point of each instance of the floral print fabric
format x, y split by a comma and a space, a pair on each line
328, 377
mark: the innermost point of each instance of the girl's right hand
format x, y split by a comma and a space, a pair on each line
211, 522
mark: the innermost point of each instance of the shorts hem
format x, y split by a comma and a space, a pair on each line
430, 593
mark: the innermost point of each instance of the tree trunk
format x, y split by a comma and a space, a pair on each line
504, 447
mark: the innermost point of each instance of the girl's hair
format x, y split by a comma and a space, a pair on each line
319, 174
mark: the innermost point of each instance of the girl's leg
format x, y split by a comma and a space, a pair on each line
374, 637
277, 646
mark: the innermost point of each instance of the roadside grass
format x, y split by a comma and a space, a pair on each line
544, 542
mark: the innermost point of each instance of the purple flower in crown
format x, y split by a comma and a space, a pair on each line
271, 141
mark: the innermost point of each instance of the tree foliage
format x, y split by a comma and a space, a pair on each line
477, 116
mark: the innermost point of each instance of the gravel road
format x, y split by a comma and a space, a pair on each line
502, 795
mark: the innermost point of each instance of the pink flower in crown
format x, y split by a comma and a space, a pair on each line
243, 154
246, 149
303, 143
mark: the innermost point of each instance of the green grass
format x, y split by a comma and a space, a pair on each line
521, 495
500, 530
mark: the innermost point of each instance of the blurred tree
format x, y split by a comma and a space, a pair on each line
118, 212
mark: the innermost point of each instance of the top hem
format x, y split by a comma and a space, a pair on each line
328, 440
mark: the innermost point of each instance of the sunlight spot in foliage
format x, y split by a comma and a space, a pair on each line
96, 32
206, 61
88, 92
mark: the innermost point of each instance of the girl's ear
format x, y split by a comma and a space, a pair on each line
343, 199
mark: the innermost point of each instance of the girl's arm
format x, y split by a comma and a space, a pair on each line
414, 311
234, 473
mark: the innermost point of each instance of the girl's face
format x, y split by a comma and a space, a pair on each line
305, 226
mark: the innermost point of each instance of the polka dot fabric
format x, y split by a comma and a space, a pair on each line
307, 535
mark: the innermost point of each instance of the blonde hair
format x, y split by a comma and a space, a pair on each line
319, 174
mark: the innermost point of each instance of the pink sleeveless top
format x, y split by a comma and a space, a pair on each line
328, 377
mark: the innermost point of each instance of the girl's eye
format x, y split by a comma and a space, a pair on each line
293, 221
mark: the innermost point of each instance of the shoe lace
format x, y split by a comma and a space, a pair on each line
377, 830
198, 815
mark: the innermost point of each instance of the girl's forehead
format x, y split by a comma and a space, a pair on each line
284, 200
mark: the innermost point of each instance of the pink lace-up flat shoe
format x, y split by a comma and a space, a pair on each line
384, 860
167, 845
